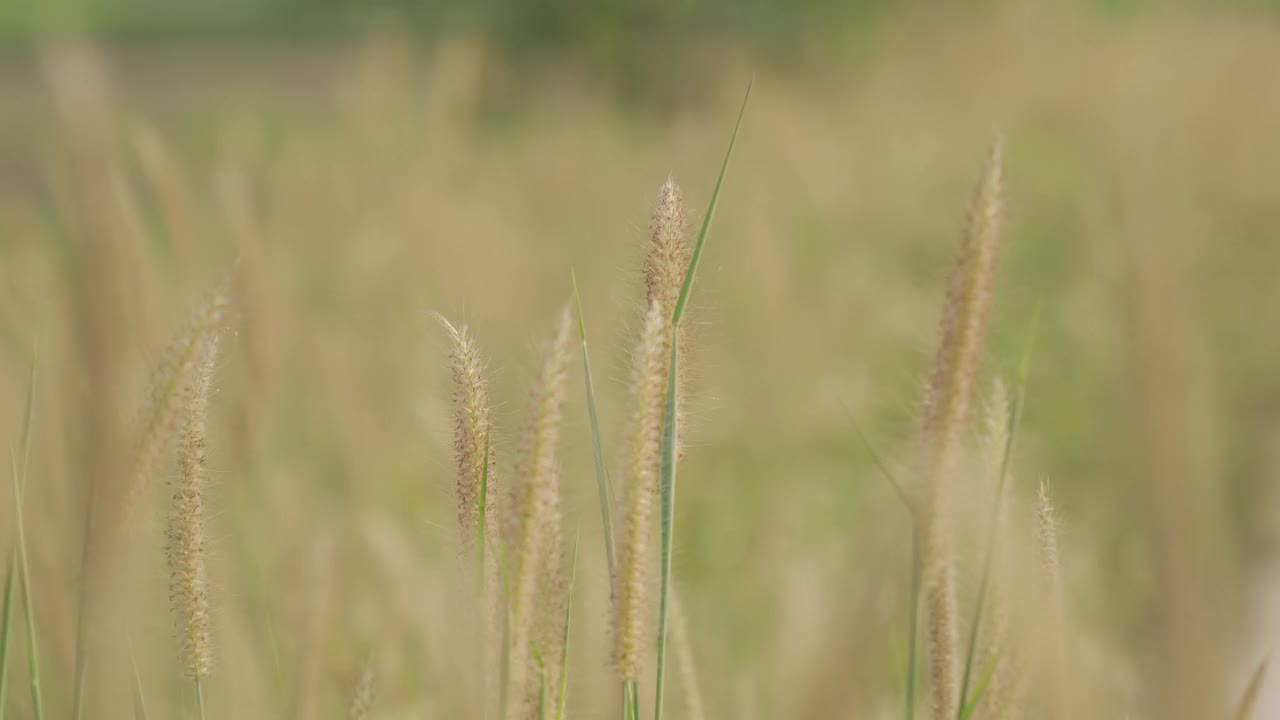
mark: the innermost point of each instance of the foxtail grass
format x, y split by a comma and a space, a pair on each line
472, 431
670, 431
947, 405
639, 476
562, 692
188, 570
533, 536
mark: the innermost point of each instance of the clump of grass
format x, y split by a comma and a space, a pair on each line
534, 526
188, 571
946, 412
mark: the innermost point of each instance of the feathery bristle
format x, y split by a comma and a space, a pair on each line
189, 583
472, 432
996, 651
364, 695
534, 521
639, 478
946, 411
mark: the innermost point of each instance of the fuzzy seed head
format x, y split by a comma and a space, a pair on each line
188, 574
533, 527
639, 478
472, 433
669, 253
946, 413
171, 387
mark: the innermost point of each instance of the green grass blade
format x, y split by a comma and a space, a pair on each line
200, 698
5, 624
568, 610
1015, 419
966, 711
602, 477
914, 622
668, 487
1245, 710
706, 220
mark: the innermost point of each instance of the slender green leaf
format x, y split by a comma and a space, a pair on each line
568, 611
706, 220
669, 435
1015, 419
602, 477
24, 576
1245, 710
966, 711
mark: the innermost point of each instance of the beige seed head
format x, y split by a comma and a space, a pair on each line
639, 481
1051, 582
188, 574
473, 431
669, 253
171, 387
946, 412
533, 525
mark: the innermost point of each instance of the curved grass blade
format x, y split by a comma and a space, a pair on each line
602, 477
1015, 419
1250, 698
669, 431
966, 711
568, 609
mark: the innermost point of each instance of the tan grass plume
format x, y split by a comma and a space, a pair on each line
533, 523
472, 435
632, 614
946, 414
188, 573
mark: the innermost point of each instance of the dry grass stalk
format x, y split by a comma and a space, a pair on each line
188, 573
946, 414
533, 525
632, 614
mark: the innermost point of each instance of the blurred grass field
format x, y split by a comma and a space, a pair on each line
372, 179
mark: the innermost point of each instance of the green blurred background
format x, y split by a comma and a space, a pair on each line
374, 162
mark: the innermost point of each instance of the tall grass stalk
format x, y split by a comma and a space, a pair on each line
1014, 421
962, 332
670, 433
